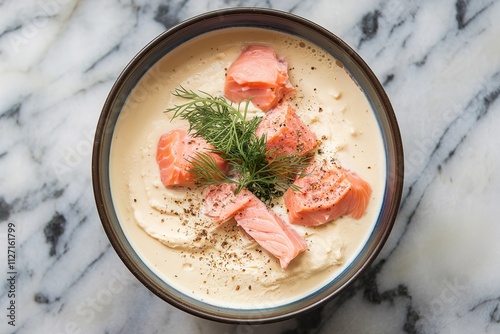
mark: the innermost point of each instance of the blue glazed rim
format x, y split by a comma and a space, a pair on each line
267, 19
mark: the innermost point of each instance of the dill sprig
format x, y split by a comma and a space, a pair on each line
233, 137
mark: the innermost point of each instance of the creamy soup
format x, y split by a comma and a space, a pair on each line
167, 227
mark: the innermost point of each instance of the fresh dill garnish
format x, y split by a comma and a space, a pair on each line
233, 137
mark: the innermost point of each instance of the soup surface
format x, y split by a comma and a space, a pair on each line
167, 227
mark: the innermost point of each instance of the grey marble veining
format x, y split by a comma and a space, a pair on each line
440, 64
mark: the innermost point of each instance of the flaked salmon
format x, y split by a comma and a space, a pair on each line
221, 204
258, 74
260, 223
327, 192
285, 132
175, 150
271, 232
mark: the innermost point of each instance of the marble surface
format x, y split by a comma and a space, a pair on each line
440, 64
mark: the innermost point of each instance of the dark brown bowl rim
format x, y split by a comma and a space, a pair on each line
395, 178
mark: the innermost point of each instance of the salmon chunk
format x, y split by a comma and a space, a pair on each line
326, 193
258, 74
260, 223
221, 204
286, 133
175, 150
270, 232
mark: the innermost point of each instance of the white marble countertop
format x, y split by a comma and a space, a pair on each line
440, 64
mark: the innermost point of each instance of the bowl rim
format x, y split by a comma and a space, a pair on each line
397, 178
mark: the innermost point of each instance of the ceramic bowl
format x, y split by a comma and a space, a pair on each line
174, 38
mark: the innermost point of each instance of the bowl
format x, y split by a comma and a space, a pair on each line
141, 80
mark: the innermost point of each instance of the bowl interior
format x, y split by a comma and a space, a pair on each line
258, 18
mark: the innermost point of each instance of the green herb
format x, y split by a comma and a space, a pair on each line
233, 137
